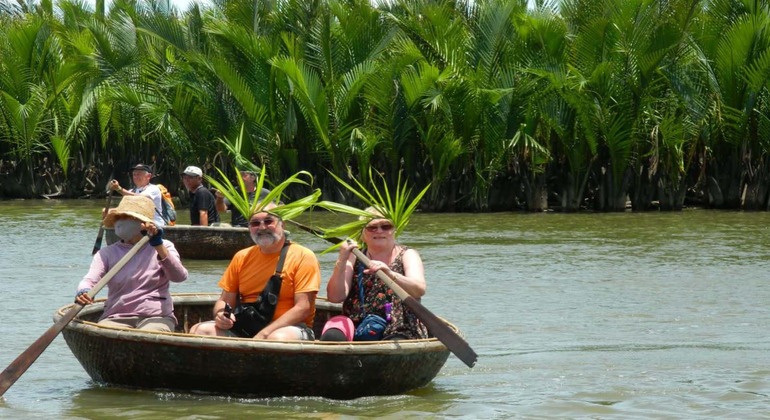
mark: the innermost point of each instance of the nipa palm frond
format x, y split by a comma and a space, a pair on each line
392, 205
239, 197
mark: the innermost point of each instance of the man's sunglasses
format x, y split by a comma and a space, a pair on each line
256, 223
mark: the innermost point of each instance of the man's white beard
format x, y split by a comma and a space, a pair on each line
265, 238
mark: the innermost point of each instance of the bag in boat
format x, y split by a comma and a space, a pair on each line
251, 318
371, 328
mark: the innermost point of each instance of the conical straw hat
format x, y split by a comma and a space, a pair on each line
139, 207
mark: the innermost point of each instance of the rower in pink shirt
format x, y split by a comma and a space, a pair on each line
138, 295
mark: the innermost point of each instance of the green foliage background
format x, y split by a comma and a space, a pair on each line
575, 104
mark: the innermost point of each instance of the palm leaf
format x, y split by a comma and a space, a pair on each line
63, 152
395, 206
239, 197
236, 149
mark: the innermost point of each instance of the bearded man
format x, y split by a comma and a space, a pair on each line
269, 289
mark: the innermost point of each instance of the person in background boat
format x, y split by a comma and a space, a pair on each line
248, 274
141, 175
250, 182
399, 262
203, 211
138, 295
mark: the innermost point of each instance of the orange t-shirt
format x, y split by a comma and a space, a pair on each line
250, 270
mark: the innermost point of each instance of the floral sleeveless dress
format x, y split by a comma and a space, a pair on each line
403, 324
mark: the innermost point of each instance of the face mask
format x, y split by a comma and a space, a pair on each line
127, 229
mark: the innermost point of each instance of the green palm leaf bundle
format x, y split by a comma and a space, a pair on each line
239, 197
394, 206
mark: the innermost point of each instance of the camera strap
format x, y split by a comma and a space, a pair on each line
273, 287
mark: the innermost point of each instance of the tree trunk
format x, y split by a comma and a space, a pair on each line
536, 192
755, 189
671, 193
643, 190
612, 196
724, 183
573, 192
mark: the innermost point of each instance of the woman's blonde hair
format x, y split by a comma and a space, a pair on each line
376, 213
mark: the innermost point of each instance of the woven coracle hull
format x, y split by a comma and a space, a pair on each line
246, 367
202, 242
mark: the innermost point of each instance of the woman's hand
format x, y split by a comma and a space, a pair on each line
375, 266
151, 229
82, 297
154, 233
346, 247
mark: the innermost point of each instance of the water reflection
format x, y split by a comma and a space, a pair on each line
107, 402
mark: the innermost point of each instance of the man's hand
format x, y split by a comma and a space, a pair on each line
224, 322
115, 186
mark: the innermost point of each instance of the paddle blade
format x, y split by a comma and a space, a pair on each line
98, 243
25, 360
443, 332
22, 363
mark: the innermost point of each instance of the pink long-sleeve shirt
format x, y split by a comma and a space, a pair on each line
141, 287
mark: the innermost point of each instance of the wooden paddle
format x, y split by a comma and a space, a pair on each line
98, 243
23, 362
436, 326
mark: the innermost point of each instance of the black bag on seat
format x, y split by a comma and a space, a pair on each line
251, 318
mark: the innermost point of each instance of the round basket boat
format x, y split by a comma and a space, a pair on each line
202, 242
247, 367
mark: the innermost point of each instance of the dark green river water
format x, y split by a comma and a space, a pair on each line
573, 316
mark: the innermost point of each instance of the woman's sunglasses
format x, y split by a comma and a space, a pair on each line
384, 228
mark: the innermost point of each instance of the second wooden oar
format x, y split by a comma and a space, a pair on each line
98, 243
25, 360
436, 326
